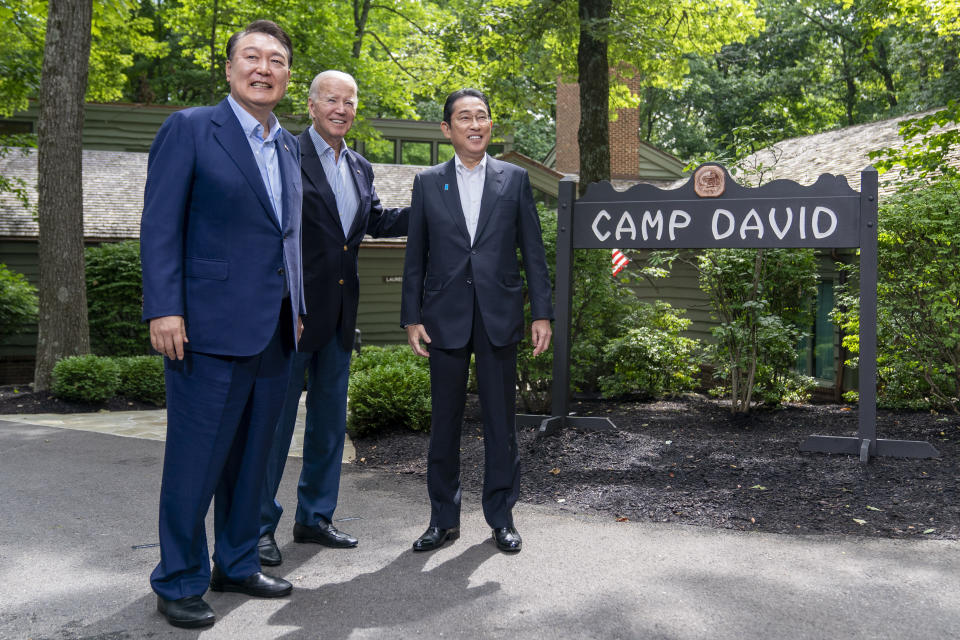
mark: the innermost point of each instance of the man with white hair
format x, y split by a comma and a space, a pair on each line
340, 206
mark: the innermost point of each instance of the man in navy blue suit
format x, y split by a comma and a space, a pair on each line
222, 283
463, 294
340, 205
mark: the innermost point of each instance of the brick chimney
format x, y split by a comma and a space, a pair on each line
624, 133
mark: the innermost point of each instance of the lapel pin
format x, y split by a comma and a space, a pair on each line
286, 147
446, 187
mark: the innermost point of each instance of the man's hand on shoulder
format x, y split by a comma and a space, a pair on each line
540, 334
167, 335
416, 333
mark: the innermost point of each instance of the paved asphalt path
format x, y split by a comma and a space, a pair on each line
78, 521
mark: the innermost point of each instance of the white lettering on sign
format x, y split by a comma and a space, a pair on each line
824, 222
731, 223
600, 216
675, 215
626, 225
752, 223
652, 221
776, 228
817, 233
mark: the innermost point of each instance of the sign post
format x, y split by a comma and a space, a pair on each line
713, 211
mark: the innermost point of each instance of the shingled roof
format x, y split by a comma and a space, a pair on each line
113, 184
840, 152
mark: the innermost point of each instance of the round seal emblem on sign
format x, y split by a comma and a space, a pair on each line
708, 182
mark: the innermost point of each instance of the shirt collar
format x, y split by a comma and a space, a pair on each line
462, 168
321, 144
251, 127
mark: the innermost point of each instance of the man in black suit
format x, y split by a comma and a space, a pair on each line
340, 205
462, 294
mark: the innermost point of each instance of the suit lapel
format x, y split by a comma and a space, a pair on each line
288, 173
492, 186
363, 191
229, 134
313, 170
450, 195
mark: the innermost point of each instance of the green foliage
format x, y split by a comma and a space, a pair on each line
391, 395
141, 378
650, 358
86, 378
115, 299
918, 299
18, 302
925, 153
371, 356
763, 300
599, 303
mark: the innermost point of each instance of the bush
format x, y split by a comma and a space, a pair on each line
18, 302
763, 299
389, 395
374, 356
141, 378
115, 300
86, 379
650, 358
600, 302
918, 299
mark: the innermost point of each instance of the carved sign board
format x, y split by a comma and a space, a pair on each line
779, 214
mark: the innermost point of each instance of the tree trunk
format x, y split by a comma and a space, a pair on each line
213, 55
594, 78
62, 321
361, 10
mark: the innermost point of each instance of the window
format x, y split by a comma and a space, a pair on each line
415, 153
381, 151
816, 357
444, 151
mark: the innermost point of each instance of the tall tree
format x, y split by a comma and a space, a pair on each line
62, 319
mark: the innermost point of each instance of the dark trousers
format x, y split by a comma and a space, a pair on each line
328, 374
221, 416
496, 378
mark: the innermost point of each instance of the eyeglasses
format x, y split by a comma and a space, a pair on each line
480, 118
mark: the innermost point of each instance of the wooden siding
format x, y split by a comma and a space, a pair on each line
378, 316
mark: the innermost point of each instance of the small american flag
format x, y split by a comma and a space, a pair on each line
619, 261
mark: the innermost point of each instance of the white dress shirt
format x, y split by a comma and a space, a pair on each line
470, 186
339, 179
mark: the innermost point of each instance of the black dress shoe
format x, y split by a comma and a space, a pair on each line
190, 613
323, 533
507, 539
259, 584
268, 551
435, 537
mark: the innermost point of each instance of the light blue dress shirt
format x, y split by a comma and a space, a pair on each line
339, 179
265, 153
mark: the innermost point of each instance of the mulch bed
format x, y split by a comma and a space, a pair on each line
687, 460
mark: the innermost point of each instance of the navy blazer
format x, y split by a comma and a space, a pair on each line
444, 274
331, 282
211, 246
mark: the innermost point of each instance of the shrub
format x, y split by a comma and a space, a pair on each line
85, 379
600, 302
763, 299
18, 302
650, 358
115, 300
141, 378
374, 356
918, 299
389, 395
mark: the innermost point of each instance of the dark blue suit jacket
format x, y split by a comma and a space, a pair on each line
443, 274
330, 277
211, 246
